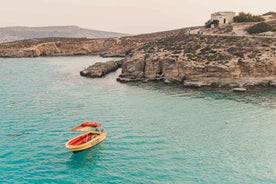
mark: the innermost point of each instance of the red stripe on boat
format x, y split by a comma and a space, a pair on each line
92, 124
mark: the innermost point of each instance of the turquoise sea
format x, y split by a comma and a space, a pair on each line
156, 133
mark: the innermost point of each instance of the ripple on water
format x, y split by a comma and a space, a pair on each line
156, 133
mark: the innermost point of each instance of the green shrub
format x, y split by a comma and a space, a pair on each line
209, 23
247, 17
269, 13
260, 28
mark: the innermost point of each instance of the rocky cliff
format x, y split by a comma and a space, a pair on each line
203, 61
66, 47
171, 57
107, 47
100, 69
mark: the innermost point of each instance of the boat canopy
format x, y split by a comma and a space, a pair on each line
92, 124
88, 126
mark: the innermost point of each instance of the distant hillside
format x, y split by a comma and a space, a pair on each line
8, 34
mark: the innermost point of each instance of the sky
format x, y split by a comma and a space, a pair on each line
125, 16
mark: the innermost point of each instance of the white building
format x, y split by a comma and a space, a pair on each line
223, 17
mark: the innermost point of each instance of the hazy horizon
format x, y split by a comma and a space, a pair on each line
123, 16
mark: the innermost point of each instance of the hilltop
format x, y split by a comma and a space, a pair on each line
8, 34
241, 28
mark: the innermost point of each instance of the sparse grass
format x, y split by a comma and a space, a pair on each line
248, 17
260, 28
269, 13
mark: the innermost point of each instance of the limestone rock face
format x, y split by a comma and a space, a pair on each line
194, 61
68, 47
31, 52
133, 71
58, 46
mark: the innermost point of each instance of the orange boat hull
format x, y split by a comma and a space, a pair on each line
85, 141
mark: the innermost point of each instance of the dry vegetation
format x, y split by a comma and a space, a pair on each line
211, 48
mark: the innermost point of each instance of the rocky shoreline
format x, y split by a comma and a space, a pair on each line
172, 57
204, 62
100, 69
68, 47
105, 47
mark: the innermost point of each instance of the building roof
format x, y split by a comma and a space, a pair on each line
221, 13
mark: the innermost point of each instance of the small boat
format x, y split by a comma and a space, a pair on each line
239, 89
85, 141
94, 135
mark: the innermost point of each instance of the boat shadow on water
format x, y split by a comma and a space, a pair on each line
86, 157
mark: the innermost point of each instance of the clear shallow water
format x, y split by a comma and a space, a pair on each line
156, 133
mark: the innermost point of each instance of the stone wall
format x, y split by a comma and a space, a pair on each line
223, 17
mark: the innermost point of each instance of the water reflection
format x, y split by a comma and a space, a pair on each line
87, 157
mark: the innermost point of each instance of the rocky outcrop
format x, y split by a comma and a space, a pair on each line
171, 57
100, 69
106, 47
65, 47
204, 61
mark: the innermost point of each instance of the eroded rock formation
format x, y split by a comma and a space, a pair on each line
106, 47
202, 61
64, 47
171, 57
100, 69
